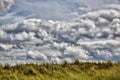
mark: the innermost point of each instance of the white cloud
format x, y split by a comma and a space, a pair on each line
5, 47
36, 55
112, 6
92, 36
76, 52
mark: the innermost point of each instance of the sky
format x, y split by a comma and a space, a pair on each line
58, 30
50, 9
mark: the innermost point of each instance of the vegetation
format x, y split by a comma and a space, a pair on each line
67, 71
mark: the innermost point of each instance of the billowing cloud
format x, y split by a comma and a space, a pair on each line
94, 35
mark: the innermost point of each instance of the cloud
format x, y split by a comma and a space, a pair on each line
5, 47
106, 14
112, 6
5, 5
95, 35
36, 55
49, 9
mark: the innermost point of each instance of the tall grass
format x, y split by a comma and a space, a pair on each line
66, 71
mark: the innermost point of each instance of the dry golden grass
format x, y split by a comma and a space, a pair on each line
74, 71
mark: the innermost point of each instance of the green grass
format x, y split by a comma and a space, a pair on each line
74, 71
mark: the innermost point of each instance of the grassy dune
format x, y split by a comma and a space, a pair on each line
74, 71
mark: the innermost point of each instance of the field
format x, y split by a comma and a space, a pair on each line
66, 71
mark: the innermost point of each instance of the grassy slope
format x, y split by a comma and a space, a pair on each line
74, 71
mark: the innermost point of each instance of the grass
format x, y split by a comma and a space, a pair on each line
67, 71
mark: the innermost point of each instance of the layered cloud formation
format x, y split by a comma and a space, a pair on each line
94, 35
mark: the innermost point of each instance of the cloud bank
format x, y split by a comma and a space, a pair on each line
94, 35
